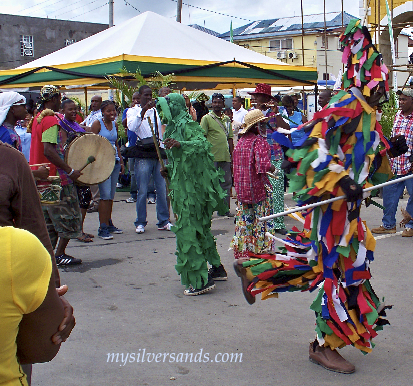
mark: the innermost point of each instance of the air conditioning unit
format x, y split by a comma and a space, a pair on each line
292, 55
281, 55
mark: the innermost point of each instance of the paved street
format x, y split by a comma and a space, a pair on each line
128, 298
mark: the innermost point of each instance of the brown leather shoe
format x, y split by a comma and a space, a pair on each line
242, 274
383, 231
408, 232
330, 359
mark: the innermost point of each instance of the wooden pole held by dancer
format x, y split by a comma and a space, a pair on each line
305, 207
158, 151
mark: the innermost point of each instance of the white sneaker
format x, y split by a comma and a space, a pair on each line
151, 200
166, 227
130, 200
140, 229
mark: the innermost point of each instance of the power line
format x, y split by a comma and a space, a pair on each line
45, 1
127, 3
94, 1
67, 6
94, 9
241, 18
208, 10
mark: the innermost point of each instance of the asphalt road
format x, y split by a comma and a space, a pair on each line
128, 300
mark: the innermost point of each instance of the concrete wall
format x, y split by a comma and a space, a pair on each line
334, 64
49, 35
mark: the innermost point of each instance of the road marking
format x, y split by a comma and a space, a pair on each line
389, 235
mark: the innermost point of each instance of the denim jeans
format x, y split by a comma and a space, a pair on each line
144, 169
391, 196
133, 183
107, 189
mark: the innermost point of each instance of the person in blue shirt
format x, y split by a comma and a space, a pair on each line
293, 117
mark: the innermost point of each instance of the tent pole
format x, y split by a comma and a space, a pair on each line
302, 51
86, 100
325, 42
315, 96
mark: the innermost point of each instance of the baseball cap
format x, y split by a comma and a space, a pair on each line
406, 91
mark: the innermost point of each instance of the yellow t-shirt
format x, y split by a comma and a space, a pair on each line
24, 279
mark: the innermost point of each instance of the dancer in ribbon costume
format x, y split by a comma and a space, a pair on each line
195, 195
338, 154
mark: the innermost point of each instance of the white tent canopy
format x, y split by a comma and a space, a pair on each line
150, 42
152, 35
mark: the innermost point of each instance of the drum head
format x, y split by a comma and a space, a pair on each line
91, 145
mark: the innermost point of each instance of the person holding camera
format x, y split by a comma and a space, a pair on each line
147, 163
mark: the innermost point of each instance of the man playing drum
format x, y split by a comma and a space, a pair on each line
63, 220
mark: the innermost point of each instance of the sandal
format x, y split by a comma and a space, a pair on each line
85, 238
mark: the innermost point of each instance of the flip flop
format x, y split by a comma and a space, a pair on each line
84, 238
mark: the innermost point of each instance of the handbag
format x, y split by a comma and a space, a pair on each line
144, 147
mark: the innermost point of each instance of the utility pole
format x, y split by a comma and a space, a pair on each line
110, 13
178, 10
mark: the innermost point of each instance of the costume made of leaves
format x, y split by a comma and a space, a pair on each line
334, 250
195, 191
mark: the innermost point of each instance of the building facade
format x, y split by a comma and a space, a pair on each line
283, 39
24, 38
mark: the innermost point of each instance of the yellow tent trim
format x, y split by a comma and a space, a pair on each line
151, 59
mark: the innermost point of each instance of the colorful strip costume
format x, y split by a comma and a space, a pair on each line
335, 249
195, 191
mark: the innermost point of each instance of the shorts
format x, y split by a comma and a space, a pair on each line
84, 195
107, 189
64, 220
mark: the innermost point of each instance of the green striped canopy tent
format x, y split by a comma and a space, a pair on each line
150, 42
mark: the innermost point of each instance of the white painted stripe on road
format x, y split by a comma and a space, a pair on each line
389, 235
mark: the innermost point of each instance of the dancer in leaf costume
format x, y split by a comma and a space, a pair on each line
195, 195
337, 154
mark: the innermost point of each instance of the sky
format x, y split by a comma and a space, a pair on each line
240, 12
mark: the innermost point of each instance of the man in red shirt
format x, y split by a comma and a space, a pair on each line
63, 220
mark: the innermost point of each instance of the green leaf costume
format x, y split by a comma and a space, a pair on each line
195, 191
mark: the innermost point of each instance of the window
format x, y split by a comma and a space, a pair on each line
281, 44
396, 48
324, 41
68, 42
26, 45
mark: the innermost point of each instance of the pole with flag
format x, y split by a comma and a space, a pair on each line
231, 34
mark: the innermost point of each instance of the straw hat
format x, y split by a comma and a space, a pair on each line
252, 118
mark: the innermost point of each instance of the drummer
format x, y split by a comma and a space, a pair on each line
70, 125
64, 219
108, 128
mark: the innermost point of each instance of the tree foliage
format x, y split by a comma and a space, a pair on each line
389, 110
124, 89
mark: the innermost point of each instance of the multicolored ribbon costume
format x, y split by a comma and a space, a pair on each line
335, 249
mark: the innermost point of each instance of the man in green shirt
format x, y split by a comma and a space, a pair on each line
218, 131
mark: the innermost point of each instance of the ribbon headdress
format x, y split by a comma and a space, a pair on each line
364, 64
